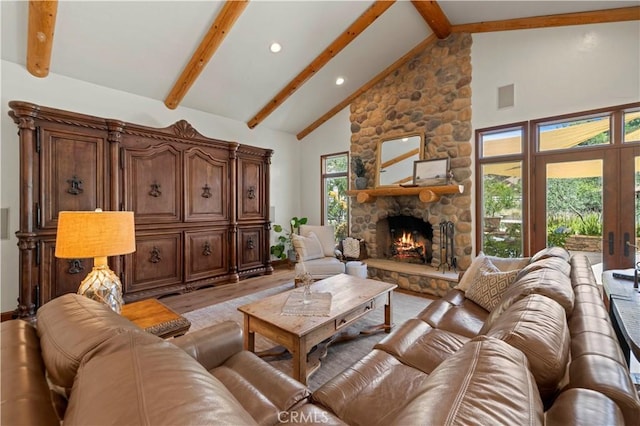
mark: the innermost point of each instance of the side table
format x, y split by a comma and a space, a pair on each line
156, 318
623, 302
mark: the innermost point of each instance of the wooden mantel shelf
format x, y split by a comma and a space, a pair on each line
427, 194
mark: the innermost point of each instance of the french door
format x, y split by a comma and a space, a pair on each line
599, 185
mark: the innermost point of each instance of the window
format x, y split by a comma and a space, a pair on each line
335, 182
500, 164
560, 181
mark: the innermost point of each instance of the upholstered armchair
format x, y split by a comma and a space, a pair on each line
316, 252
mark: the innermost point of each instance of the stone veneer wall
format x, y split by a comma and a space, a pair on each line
431, 93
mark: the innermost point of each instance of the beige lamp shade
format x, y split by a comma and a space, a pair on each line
84, 234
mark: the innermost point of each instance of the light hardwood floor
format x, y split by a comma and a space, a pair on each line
210, 296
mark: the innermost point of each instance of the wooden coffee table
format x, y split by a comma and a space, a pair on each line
352, 297
156, 318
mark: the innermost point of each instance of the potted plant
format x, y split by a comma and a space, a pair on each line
283, 248
359, 170
498, 197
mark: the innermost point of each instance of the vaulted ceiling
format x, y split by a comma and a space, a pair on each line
214, 56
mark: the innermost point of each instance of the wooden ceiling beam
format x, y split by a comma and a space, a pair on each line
565, 19
375, 80
434, 16
355, 29
231, 11
42, 23
580, 18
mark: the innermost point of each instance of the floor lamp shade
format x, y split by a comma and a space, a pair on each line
84, 234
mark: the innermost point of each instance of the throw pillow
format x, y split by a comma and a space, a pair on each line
326, 236
479, 262
307, 248
487, 287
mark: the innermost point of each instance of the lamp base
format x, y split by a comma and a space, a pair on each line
104, 286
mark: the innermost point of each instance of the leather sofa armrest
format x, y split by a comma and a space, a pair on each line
212, 346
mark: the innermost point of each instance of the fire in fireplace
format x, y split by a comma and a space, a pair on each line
405, 239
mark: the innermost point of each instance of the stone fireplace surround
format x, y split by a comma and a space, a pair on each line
431, 93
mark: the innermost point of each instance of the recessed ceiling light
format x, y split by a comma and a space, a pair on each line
339, 81
275, 47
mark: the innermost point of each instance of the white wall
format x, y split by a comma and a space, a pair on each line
74, 95
554, 70
333, 136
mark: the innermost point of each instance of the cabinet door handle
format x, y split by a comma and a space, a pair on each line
75, 266
206, 191
155, 190
206, 249
75, 185
155, 255
251, 244
251, 192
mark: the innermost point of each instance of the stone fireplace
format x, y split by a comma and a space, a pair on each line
431, 94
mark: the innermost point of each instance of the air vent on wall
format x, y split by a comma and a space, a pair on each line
506, 96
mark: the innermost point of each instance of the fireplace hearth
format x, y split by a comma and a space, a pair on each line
405, 239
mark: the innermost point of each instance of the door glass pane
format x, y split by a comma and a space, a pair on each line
574, 207
336, 207
632, 126
575, 133
502, 209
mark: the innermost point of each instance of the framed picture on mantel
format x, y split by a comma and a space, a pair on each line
430, 172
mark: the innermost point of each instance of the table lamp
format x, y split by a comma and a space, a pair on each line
98, 234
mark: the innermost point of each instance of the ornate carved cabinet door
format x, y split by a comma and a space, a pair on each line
252, 178
206, 253
61, 275
250, 243
206, 187
155, 265
152, 184
72, 173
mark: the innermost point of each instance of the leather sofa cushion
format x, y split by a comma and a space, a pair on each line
261, 389
536, 325
129, 381
487, 382
551, 252
581, 272
92, 323
417, 344
456, 314
548, 262
25, 392
608, 377
583, 407
546, 281
372, 391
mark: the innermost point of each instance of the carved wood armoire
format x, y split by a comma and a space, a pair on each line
201, 205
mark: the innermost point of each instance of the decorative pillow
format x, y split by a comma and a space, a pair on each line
509, 263
307, 248
487, 287
480, 262
326, 236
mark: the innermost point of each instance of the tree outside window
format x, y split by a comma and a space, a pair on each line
335, 202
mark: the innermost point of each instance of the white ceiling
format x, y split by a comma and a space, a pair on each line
141, 47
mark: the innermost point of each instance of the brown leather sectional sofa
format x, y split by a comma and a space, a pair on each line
546, 354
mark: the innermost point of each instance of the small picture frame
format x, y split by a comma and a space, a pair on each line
431, 172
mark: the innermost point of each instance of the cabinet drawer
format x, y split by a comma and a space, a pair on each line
351, 316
